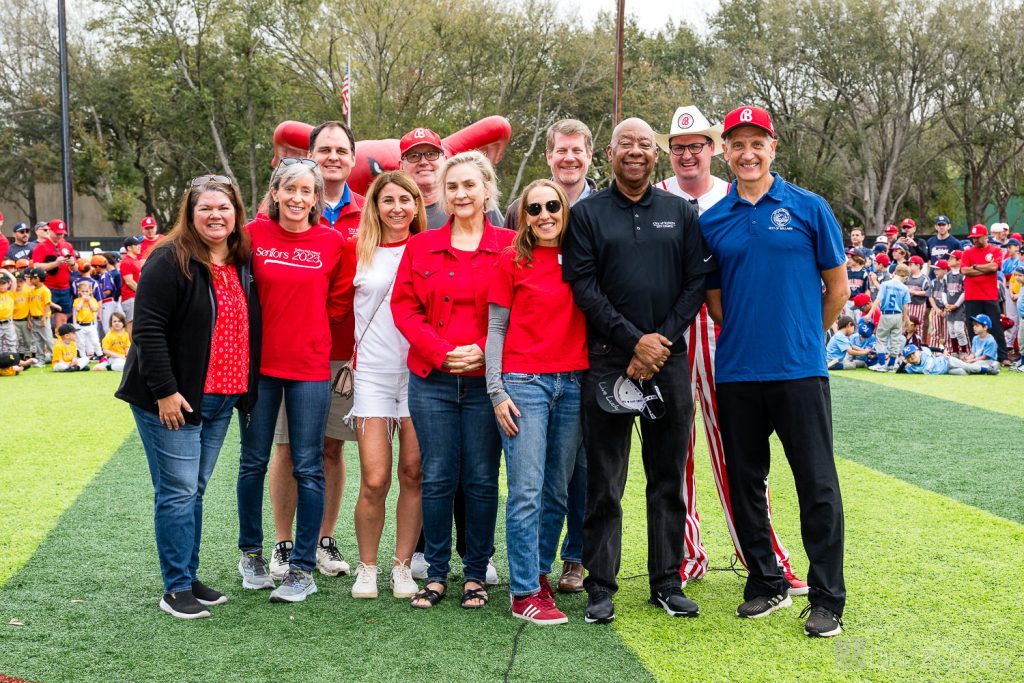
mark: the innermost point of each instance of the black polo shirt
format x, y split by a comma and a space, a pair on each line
636, 267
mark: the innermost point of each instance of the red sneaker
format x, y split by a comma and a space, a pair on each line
545, 589
538, 610
796, 586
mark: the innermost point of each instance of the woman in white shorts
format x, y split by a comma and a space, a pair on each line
393, 210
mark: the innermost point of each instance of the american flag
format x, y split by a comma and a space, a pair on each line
346, 94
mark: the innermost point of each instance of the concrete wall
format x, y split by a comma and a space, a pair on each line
88, 214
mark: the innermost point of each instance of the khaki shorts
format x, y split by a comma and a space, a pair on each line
336, 427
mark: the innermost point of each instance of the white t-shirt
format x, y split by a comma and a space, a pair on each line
719, 188
381, 348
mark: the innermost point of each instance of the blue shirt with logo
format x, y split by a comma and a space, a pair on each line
930, 364
770, 257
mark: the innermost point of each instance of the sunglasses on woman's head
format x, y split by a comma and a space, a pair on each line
552, 205
291, 161
204, 179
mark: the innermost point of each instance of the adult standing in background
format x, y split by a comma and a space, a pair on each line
22, 247
980, 267
916, 246
785, 239
55, 256
150, 237
131, 266
856, 238
941, 244
636, 262
332, 147
569, 151
691, 144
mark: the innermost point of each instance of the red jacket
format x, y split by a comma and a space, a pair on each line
422, 302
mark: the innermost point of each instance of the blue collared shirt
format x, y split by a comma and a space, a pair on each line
770, 257
331, 213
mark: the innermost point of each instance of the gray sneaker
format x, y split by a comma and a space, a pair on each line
297, 585
253, 569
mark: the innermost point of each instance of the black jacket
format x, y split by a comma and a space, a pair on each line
172, 332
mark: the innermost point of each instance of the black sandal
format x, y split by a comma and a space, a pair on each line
474, 594
430, 595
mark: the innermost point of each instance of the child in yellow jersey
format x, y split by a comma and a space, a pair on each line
11, 366
20, 314
39, 305
8, 335
65, 351
115, 344
86, 308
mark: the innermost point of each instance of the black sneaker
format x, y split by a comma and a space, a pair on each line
207, 595
822, 622
600, 608
183, 605
762, 606
674, 602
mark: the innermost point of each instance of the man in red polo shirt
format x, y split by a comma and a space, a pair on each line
332, 146
150, 237
980, 267
55, 256
131, 266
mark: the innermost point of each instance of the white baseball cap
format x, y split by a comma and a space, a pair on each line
689, 121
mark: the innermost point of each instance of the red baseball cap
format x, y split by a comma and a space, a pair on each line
917, 259
942, 263
883, 260
748, 116
861, 299
908, 223
419, 136
891, 229
148, 222
1017, 236
957, 253
978, 230
57, 227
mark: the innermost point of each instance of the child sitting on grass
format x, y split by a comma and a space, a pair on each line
11, 365
115, 344
65, 351
841, 353
983, 346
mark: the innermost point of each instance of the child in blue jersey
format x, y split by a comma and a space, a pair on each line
892, 300
983, 346
867, 340
921, 361
840, 352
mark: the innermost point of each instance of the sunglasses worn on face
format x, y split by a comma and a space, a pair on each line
204, 179
414, 157
552, 205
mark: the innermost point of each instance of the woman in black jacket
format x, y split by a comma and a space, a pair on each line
196, 330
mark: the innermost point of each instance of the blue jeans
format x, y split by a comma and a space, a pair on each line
180, 464
539, 462
572, 545
459, 442
306, 405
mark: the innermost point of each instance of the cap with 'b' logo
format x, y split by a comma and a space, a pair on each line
419, 136
748, 116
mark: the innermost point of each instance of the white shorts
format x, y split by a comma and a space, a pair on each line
335, 428
381, 394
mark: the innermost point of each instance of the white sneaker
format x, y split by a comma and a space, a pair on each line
402, 584
419, 566
329, 560
366, 581
492, 574
279, 560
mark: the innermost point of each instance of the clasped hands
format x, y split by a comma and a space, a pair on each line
649, 356
463, 359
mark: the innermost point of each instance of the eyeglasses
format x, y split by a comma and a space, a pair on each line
204, 179
694, 148
414, 157
552, 205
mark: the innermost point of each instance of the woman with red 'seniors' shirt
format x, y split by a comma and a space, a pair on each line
297, 268
536, 355
440, 306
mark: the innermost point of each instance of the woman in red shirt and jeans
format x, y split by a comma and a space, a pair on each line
297, 268
440, 306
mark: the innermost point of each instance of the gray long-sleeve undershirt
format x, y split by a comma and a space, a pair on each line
497, 327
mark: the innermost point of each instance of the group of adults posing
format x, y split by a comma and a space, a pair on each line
468, 340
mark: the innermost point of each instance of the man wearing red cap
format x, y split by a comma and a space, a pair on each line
422, 154
786, 239
915, 246
150, 237
980, 266
55, 256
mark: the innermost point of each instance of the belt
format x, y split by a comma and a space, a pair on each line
892, 312
85, 324
107, 301
9, 320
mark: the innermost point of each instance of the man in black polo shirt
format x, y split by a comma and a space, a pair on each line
636, 261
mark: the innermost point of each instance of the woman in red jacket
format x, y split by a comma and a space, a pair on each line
440, 306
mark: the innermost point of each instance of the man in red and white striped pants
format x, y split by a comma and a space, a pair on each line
691, 143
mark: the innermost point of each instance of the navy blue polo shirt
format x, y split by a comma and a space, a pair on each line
770, 256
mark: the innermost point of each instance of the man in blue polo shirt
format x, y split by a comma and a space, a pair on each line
770, 364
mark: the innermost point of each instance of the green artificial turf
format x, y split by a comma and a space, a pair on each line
1003, 393
57, 432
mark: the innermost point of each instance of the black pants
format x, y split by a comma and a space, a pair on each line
800, 412
607, 440
994, 311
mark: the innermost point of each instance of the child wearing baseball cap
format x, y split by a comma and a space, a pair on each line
840, 352
65, 351
983, 347
921, 361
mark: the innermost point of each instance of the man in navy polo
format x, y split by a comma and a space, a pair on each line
775, 244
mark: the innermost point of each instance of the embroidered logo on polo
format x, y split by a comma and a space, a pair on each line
781, 219
297, 258
663, 225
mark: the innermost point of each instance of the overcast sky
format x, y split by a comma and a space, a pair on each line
651, 14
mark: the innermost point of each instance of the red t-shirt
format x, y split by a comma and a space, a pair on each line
546, 329
129, 266
47, 252
982, 287
298, 279
145, 245
228, 370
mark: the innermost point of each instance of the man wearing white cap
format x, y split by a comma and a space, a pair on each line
691, 143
